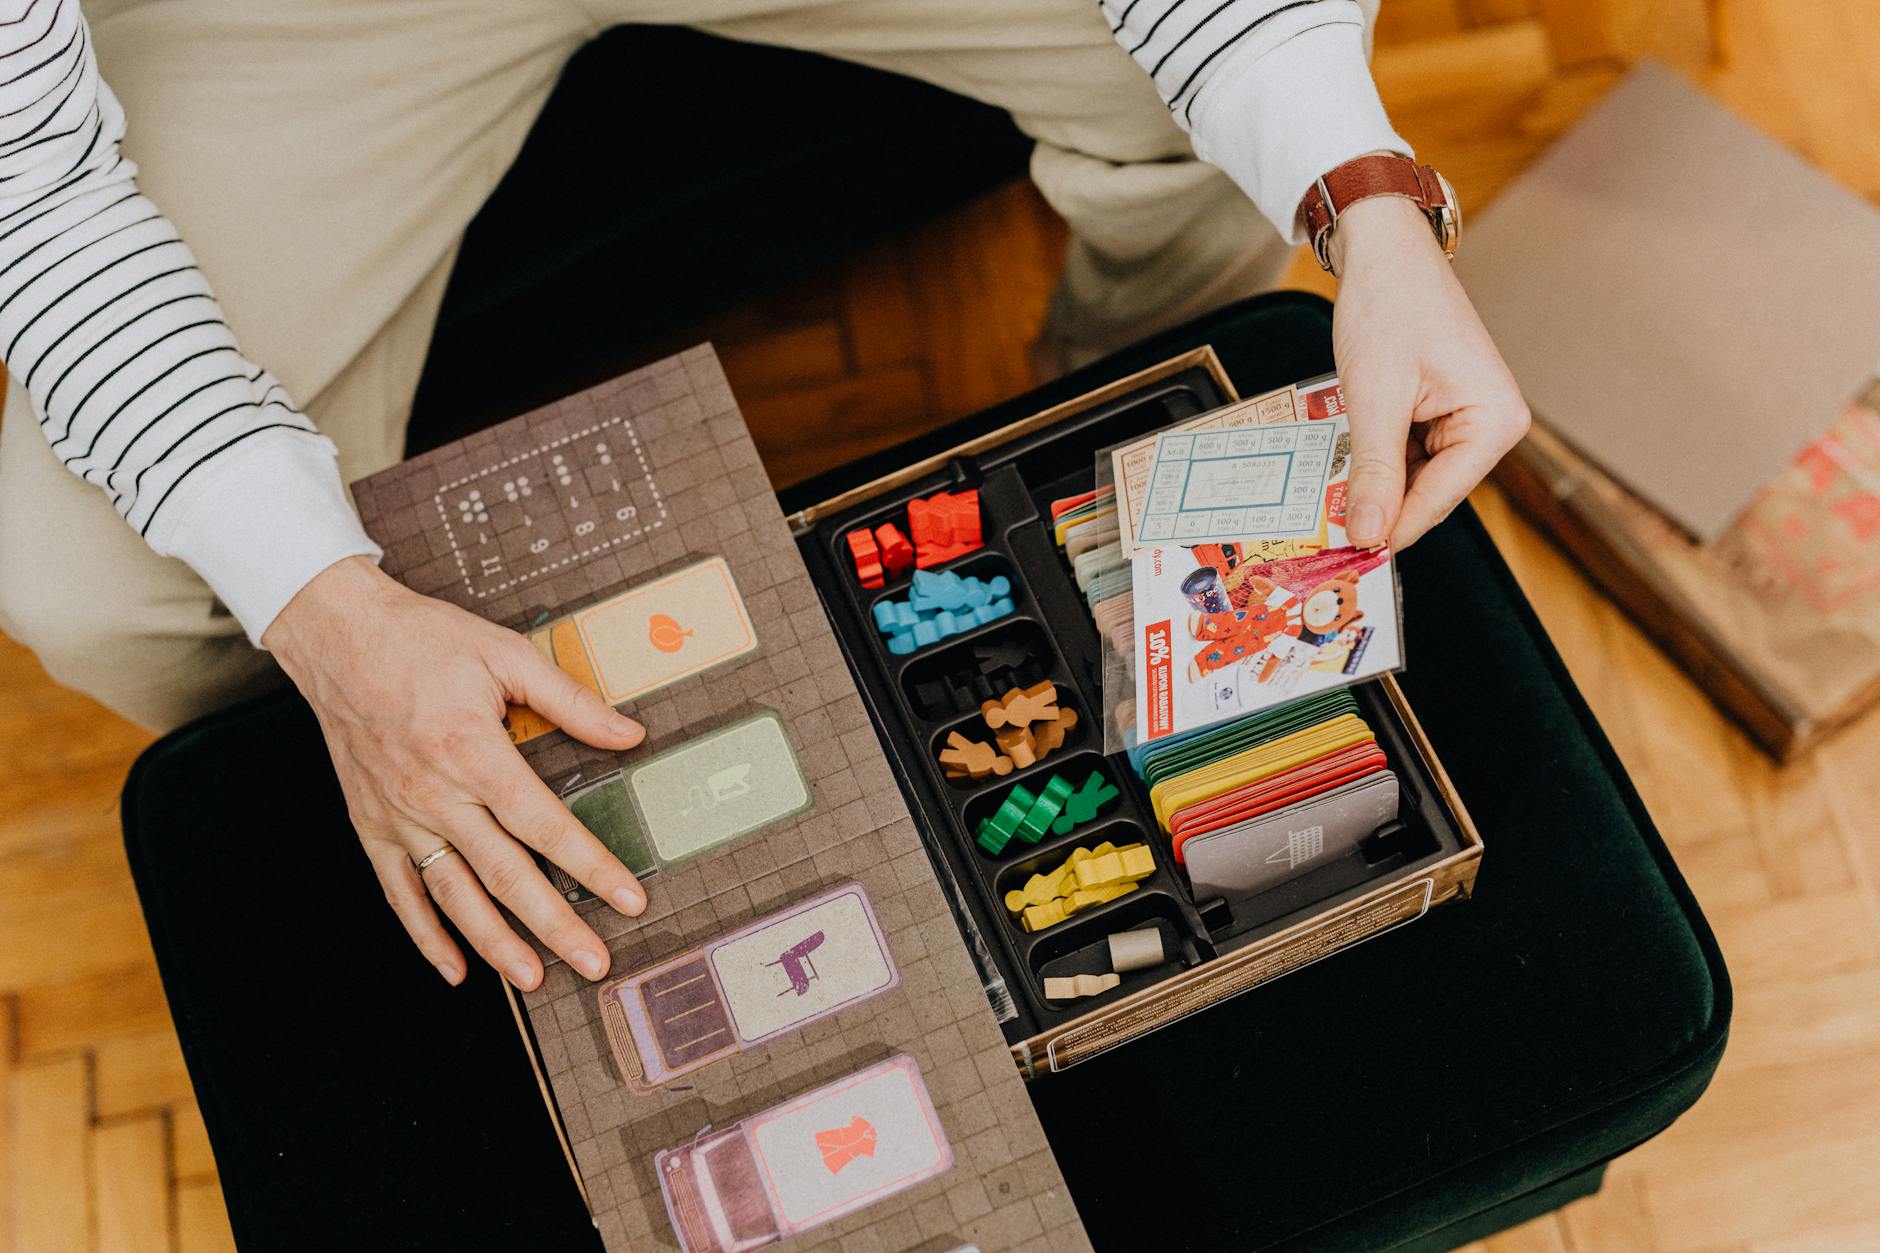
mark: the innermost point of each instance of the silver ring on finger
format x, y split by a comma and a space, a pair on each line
425, 861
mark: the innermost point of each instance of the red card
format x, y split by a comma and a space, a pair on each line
1342, 764
1061, 507
1300, 783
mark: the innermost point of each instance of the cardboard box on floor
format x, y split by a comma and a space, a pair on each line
1691, 310
1684, 301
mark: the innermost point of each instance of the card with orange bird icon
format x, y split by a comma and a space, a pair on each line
649, 636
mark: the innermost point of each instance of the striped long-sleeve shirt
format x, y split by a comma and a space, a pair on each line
142, 390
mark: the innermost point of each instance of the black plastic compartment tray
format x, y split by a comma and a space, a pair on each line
1016, 482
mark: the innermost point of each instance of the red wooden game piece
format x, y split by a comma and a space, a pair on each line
944, 526
867, 558
896, 553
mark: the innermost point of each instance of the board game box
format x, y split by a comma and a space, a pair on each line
892, 875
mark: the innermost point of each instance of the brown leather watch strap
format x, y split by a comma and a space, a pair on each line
1380, 174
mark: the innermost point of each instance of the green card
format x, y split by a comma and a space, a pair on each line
717, 788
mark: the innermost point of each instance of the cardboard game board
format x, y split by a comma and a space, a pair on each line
650, 485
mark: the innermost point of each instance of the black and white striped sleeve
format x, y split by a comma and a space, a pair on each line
114, 333
1274, 92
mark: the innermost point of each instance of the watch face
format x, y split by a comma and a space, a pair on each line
1448, 217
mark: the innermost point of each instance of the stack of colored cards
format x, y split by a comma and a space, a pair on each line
1252, 803
1216, 568
1256, 799
1086, 529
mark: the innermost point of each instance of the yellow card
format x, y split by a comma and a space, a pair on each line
1253, 764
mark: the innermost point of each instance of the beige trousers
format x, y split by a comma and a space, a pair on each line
323, 157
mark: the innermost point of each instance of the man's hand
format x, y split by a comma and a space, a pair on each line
410, 693
1432, 406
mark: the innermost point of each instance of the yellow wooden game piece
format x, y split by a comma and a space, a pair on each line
1050, 897
1049, 914
1100, 871
1126, 864
1084, 898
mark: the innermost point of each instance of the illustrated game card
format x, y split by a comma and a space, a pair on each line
809, 1161
754, 984
1217, 637
644, 639
718, 787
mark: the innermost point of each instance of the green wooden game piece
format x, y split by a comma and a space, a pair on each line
996, 832
1044, 809
1083, 805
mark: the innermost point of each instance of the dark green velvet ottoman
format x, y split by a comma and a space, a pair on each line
1430, 1086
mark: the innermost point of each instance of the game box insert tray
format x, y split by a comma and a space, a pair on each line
1431, 856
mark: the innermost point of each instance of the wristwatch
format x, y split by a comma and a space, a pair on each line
1380, 174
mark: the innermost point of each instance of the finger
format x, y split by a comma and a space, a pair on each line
530, 680
405, 892
511, 876
1379, 415
526, 809
1442, 483
454, 885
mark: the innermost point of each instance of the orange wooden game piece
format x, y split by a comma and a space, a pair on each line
1022, 706
1048, 736
1018, 745
972, 759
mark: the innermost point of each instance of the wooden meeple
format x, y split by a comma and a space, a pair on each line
834, 986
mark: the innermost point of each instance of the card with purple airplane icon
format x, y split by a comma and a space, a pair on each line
753, 984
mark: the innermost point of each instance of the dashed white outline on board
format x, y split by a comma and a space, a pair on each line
639, 453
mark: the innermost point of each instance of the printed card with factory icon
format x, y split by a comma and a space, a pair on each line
753, 984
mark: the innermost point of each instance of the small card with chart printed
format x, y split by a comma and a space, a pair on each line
527, 517
753, 984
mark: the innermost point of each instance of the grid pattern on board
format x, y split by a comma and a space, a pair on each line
697, 489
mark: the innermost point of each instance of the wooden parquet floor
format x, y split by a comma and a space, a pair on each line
100, 1142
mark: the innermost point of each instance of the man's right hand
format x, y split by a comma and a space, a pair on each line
410, 693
